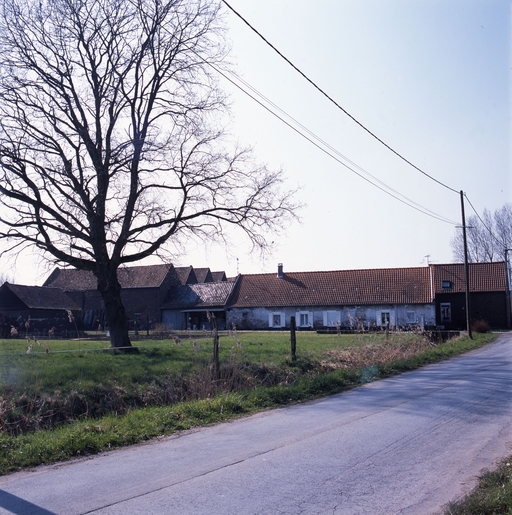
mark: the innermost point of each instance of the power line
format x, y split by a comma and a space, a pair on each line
337, 152
334, 101
323, 145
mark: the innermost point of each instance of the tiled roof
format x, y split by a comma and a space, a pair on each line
40, 297
201, 295
185, 274
219, 276
150, 276
71, 279
203, 275
342, 287
483, 277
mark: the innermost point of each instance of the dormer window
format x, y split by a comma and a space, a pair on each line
447, 284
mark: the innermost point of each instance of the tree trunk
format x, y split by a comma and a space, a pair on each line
115, 312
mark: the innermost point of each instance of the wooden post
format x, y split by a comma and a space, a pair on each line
293, 338
507, 285
216, 363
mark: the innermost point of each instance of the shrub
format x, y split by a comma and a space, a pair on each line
480, 326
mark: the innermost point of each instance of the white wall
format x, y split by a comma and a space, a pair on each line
329, 316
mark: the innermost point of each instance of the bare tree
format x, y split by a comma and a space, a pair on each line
110, 145
487, 237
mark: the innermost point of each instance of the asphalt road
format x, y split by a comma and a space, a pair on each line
405, 445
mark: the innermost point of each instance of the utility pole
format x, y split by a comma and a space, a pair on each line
466, 267
507, 286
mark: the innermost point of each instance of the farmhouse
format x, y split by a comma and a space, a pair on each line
488, 294
397, 297
144, 290
36, 309
188, 298
191, 306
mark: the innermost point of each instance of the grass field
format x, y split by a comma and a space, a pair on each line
89, 362
80, 397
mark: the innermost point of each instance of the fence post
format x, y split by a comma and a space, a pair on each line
293, 338
216, 362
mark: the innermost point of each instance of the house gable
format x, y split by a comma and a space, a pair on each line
483, 277
219, 276
203, 275
488, 294
185, 275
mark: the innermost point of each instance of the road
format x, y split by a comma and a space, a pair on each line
404, 445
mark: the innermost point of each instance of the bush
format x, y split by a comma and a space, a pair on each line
480, 326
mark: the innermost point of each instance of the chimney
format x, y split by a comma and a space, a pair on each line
280, 272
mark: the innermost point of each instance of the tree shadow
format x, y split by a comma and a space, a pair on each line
19, 506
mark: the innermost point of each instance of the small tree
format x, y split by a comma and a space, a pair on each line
487, 237
110, 146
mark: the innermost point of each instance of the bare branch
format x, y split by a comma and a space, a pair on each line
488, 236
111, 146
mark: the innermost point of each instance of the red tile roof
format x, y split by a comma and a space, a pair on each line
483, 277
341, 287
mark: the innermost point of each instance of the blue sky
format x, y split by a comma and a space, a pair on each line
429, 77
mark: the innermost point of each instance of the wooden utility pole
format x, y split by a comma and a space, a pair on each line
507, 286
466, 267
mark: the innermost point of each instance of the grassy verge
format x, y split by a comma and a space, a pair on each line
492, 496
247, 385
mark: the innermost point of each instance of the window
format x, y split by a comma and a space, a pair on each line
276, 319
411, 317
332, 318
446, 284
304, 318
385, 318
446, 312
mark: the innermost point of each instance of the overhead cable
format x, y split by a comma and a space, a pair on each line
298, 70
307, 134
